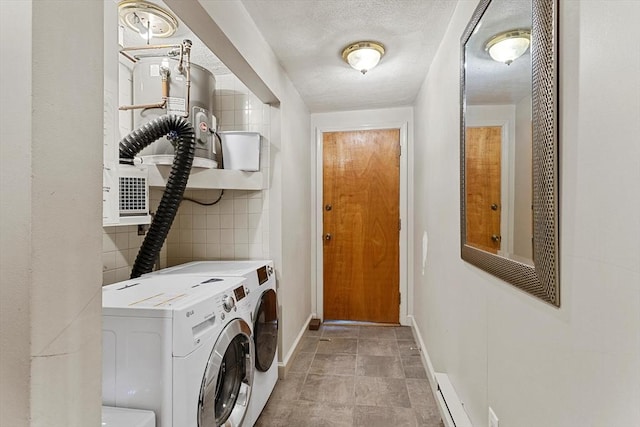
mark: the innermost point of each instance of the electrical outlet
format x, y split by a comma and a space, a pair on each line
493, 419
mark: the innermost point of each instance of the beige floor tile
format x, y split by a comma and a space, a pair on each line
301, 362
333, 364
320, 414
346, 376
337, 331
288, 389
369, 347
308, 344
408, 348
404, 333
413, 367
381, 392
338, 345
420, 392
377, 332
328, 388
379, 366
375, 416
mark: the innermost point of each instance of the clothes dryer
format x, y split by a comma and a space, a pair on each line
261, 283
181, 347
125, 417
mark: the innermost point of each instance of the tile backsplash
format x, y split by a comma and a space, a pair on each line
234, 228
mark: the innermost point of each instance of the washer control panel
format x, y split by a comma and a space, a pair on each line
228, 303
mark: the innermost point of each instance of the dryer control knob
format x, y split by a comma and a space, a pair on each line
228, 303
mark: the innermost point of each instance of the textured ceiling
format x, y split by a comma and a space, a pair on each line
308, 36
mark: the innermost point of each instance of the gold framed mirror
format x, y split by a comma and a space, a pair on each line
509, 144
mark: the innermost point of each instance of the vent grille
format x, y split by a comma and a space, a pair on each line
133, 196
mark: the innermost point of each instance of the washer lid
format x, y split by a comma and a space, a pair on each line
221, 268
161, 296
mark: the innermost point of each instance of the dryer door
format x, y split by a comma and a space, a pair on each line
228, 378
265, 330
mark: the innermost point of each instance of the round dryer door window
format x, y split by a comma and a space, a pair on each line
265, 330
226, 386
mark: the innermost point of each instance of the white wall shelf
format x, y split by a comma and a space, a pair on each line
201, 178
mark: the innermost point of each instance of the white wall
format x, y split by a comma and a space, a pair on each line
294, 292
536, 365
15, 215
51, 210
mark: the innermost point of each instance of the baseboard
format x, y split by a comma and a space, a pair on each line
449, 405
284, 365
449, 398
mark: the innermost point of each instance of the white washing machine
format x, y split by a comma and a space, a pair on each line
124, 417
261, 282
181, 347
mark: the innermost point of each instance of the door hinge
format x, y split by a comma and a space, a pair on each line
399, 150
399, 224
399, 298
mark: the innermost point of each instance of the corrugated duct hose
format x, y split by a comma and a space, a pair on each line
177, 130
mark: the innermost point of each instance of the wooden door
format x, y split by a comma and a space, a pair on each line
361, 220
482, 183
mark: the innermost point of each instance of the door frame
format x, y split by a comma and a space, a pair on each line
346, 124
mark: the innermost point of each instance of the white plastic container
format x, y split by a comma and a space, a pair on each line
241, 151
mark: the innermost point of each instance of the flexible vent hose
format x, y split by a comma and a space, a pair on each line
175, 129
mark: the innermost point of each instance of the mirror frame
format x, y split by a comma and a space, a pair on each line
542, 279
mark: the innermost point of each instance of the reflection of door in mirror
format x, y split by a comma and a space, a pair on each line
483, 170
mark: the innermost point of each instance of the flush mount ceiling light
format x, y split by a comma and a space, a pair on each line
508, 46
146, 18
364, 55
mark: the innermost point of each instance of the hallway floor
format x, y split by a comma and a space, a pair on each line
354, 376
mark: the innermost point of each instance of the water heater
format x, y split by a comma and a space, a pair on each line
195, 102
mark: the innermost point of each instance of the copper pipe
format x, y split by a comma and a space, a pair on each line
165, 95
187, 49
143, 106
129, 57
185, 57
165, 87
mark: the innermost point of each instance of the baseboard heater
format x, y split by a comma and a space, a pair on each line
451, 409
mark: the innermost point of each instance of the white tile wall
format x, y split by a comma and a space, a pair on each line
235, 228
120, 246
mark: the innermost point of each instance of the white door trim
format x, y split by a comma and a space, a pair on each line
317, 253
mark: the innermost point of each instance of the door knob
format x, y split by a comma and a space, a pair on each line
496, 238
494, 207
327, 236
328, 207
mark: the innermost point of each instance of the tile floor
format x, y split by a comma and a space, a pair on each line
354, 376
